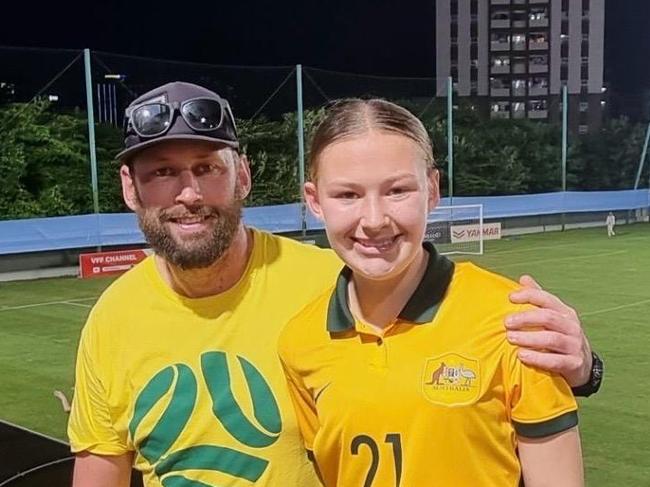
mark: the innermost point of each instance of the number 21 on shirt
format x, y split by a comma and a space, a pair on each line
364, 441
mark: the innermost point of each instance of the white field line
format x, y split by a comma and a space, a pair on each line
547, 247
48, 303
614, 308
531, 249
81, 305
543, 261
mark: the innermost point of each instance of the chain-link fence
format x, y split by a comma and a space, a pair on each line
52, 166
263, 100
44, 151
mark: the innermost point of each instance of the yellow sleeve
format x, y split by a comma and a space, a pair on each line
303, 403
90, 426
541, 403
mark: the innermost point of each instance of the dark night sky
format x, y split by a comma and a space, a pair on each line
378, 37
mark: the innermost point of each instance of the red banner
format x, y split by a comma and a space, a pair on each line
109, 263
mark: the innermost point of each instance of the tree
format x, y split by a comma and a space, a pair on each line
272, 148
608, 159
487, 154
44, 158
109, 143
17, 123
44, 162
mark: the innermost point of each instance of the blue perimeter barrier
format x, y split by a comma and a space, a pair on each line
112, 229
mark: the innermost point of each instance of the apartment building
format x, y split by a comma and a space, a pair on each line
514, 56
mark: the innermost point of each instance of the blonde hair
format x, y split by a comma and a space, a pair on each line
353, 117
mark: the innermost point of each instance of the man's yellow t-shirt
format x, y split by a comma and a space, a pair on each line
437, 399
194, 386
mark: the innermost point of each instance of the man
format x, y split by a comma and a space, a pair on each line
610, 221
177, 371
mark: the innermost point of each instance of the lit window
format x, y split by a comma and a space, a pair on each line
500, 106
538, 38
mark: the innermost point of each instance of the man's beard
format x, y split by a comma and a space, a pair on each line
201, 251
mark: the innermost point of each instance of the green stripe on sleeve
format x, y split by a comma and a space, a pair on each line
547, 428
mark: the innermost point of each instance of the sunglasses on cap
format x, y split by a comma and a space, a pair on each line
155, 118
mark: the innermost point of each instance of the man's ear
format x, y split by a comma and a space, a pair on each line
129, 193
244, 176
433, 182
310, 191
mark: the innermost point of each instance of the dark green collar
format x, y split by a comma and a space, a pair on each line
420, 308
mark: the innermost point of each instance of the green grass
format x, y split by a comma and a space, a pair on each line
38, 341
607, 280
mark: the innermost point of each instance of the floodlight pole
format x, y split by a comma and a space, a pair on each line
91, 129
301, 148
565, 120
90, 117
450, 138
642, 160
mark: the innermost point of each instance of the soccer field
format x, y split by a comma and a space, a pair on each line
607, 280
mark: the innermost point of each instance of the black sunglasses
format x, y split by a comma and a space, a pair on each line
200, 114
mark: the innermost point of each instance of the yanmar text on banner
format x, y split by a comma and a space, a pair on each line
107, 263
472, 233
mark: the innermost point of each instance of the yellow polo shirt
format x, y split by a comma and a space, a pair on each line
437, 399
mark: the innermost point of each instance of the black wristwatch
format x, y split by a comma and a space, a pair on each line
595, 379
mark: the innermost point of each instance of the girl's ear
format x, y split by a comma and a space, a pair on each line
310, 192
433, 181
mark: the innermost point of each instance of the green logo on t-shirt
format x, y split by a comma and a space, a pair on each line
155, 445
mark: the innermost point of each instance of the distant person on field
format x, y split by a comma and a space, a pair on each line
610, 221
